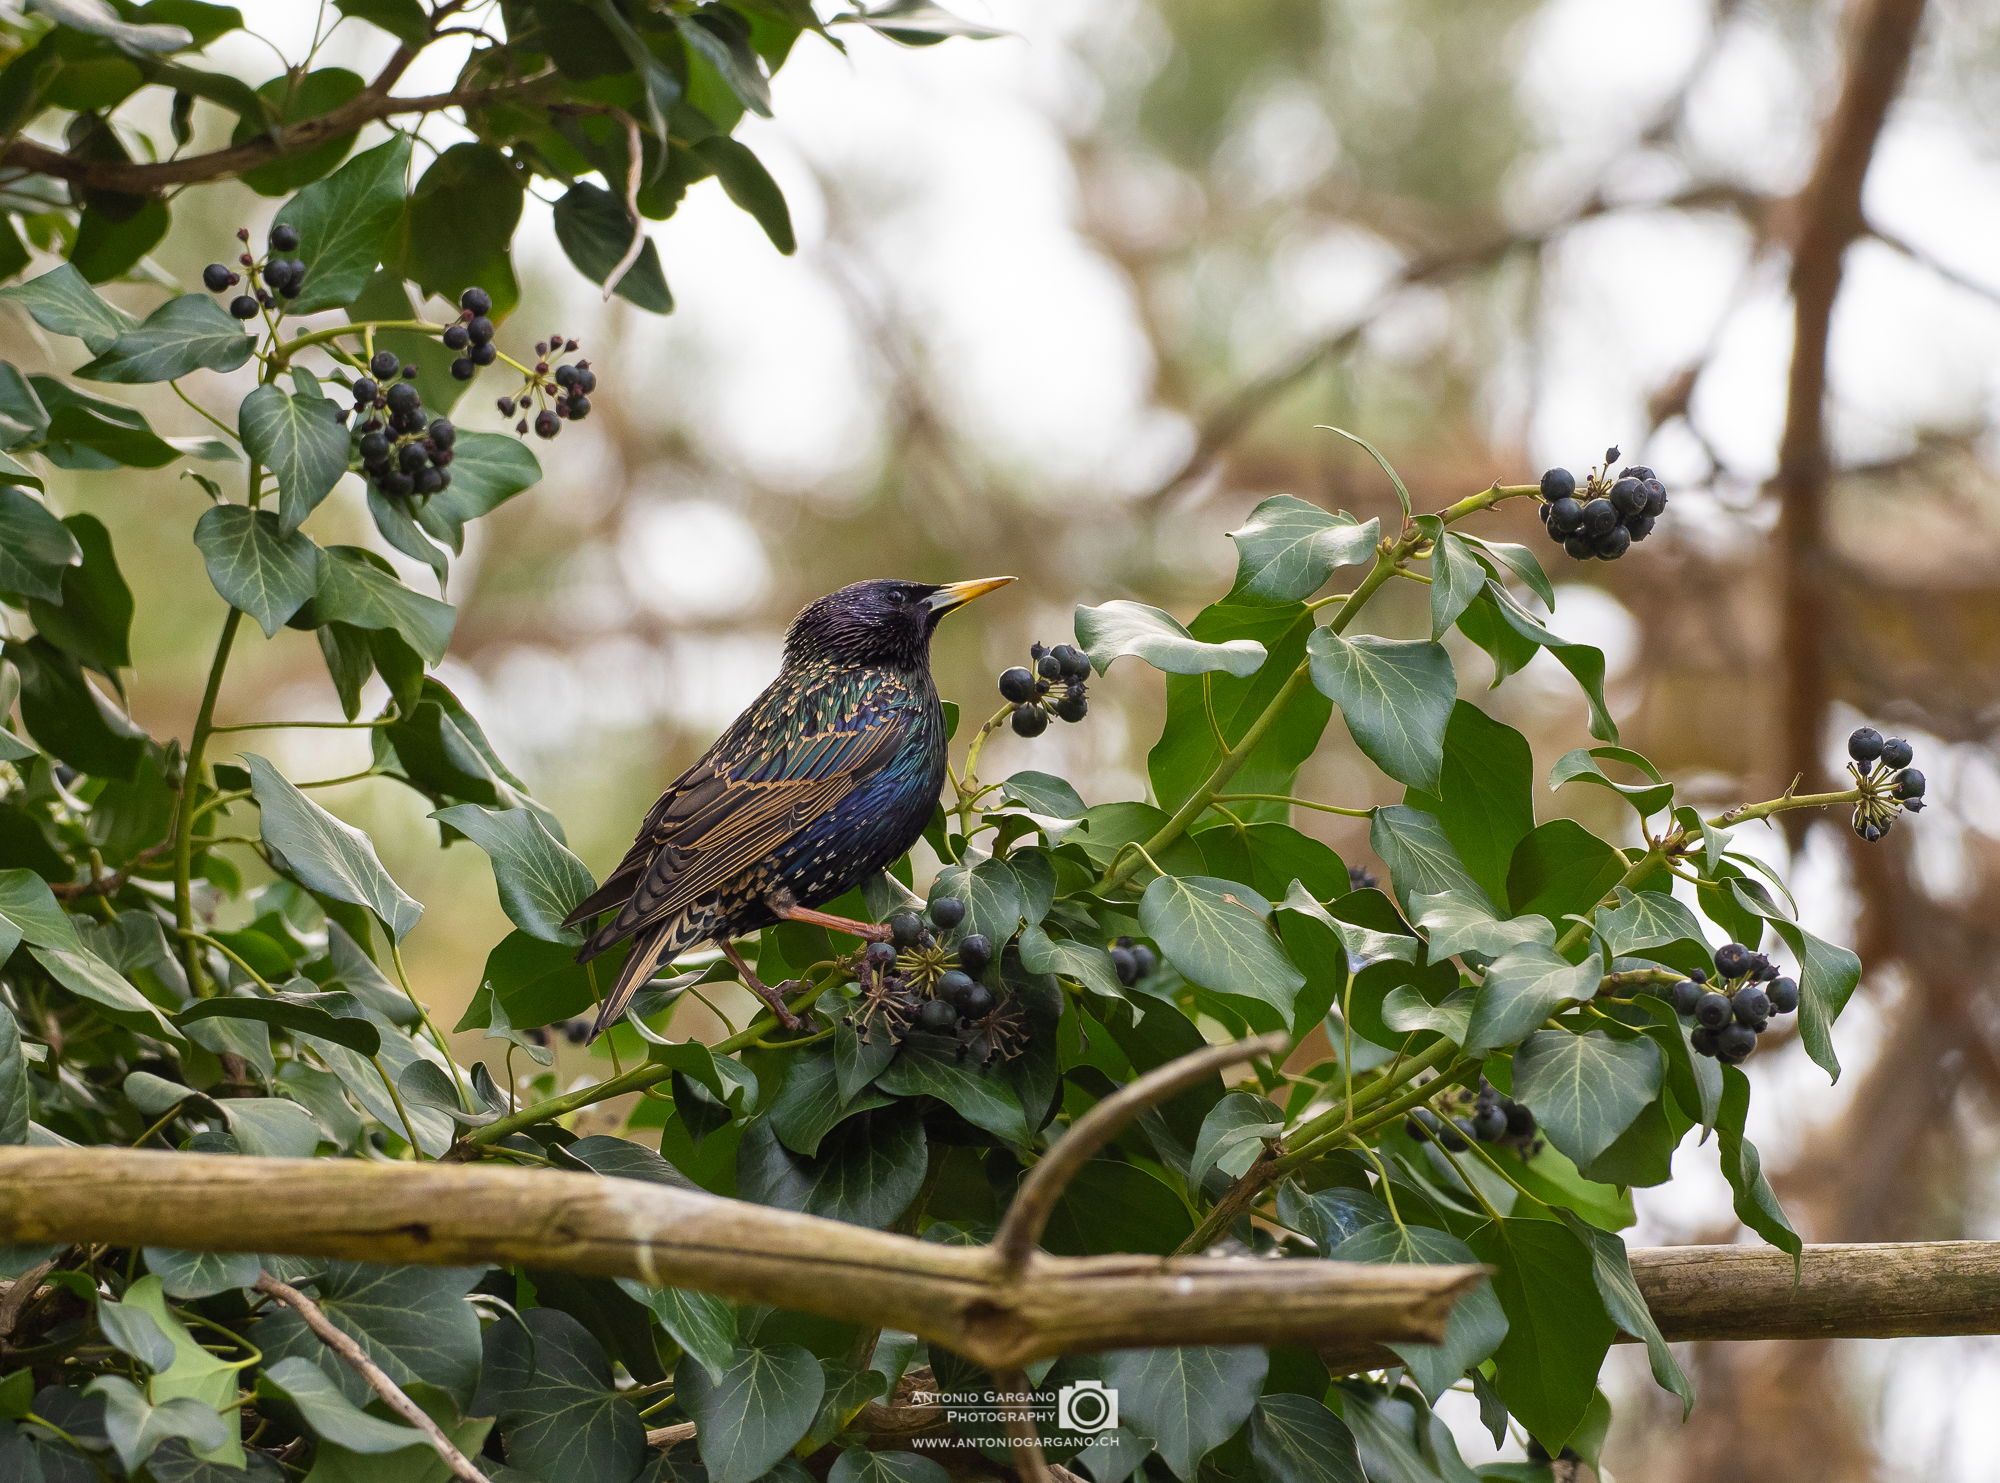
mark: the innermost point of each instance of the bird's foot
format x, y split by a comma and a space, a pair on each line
775, 998
866, 931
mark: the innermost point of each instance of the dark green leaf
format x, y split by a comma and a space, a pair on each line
1114, 629
1218, 934
867, 1172
460, 225
190, 333
255, 565
1756, 1205
403, 19
1828, 975
345, 224
108, 248
1456, 579
593, 228
916, 23
200, 1274
70, 718
294, 97
15, 1109
1561, 870
36, 549
539, 880
1420, 856
1189, 1401
1557, 1330
64, 304
355, 591
412, 1321
979, 1094
23, 418
86, 432
1289, 548
1295, 1439
1586, 1089
1648, 919
1396, 697
328, 856
810, 1104
487, 470
723, 41
560, 1415
297, 439
135, 1426
1583, 765
1521, 989
1476, 1325
747, 1419
1585, 664
1485, 797
93, 622
1611, 1270
293, 1014
1233, 1134
859, 1465
332, 1415
991, 892
750, 186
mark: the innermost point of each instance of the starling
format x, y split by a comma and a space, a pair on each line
830, 775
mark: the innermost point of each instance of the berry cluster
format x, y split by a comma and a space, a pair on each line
1054, 687
1733, 1010
272, 281
1881, 770
403, 452
1484, 1116
1132, 961
561, 391
918, 983
1607, 515
472, 336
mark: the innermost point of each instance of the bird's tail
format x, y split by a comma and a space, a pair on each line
649, 950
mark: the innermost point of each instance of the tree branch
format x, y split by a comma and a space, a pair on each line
352, 1355
461, 1215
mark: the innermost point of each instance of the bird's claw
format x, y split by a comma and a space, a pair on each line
775, 998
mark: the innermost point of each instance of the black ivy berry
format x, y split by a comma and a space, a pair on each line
1909, 784
1125, 965
1897, 753
1017, 685
974, 953
456, 337
1865, 745
284, 238
476, 301
1712, 1009
905, 927
1684, 995
442, 434
1734, 1042
1732, 960
937, 1017
947, 912
1074, 662
385, 364
404, 398
1752, 1006
217, 277
547, 424
243, 307
1601, 519
579, 406
1056, 686
1558, 484
976, 1003
1030, 720
479, 330
462, 369
483, 354
364, 392
879, 955
1784, 995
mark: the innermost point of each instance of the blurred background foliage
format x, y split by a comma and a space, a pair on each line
1064, 304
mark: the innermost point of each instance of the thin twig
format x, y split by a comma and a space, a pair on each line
1027, 1451
1021, 1229
635, 151
391, 1393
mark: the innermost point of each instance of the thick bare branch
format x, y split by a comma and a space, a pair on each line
456, 1215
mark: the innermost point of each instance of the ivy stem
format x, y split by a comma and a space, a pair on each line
204, 725
1325, 808
309, 725
966, 782
281, 354
1486, 499
437, 1036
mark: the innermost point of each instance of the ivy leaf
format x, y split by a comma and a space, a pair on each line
1218, 934
1561, 869
403, 19
1090, 966
1476, 1324
1828, 975
1583, 765
459, 224
594, 230
331, 1415
271, 1127
860, 1465
1363, 945
1405, 1008
1189, 1401
296, 438
991, 892
1611, 1270
329, 856
1522, 988
135, 1426
62, 302
345, 223
1044, 796
70, 717
15, 1108
723, 41
867, 1171
1557, 1330
293, 1014
412, 1321
256, 565
969, 1089
560, 1415
487, 470
200, 1274
1295, 1439
1756, 1204
1648, 919
1232, 1135
35, 547
748, 1418
1456, 579
88, 976
93, 620
355, 591
1585, 663
1288, 548
1586, 1089
1455, 925
811, 1104
917, 23
1485, 796
1420, 856
1395, 695
747, 183
701, 1323
86, 432
1117, 628
189, 333
539, 880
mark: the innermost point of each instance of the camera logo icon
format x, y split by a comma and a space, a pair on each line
1087, 1407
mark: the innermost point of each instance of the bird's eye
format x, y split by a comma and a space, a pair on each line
898, 595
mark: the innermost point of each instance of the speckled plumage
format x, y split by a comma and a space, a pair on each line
830, 775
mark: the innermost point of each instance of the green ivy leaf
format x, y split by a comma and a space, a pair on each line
289, 1013
296, 438
1476, 1324
860, 1465
1114, 629
1585, 663
1561, 869
1189, 1401
356, 591
1456, 578
1755, 1202
1295, 1439
93, 620
1485, 797
271, 1127
190, 333
487, 470
1218, 934
332, 1415
972, 1091
1521, 989
1582, 765
867, 1172
560, 1415
811, 1104
414, 1322
1455, 925
1648, 919
346, 222
63, 303
195, 1374
594, 230
1611, 1270
86, 432
135, 1426
23, 418
15, 1107
1586, 1089
991, 892
256, 565
70, 717
1828, 975
329, 856
1420, 856
750, 186
1087, 965
403, 19
459, 226
200, 1274
1395, 695
747, 1419
1557, 1330
538, 879
1233, 1134
36, 548
1288, 548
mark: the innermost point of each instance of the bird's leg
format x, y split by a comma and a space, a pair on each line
769, 995
866, 931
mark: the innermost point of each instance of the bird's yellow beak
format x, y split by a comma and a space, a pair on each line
958, 594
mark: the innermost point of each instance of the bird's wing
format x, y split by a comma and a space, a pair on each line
762, 782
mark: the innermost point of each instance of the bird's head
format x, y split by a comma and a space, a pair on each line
880, 622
